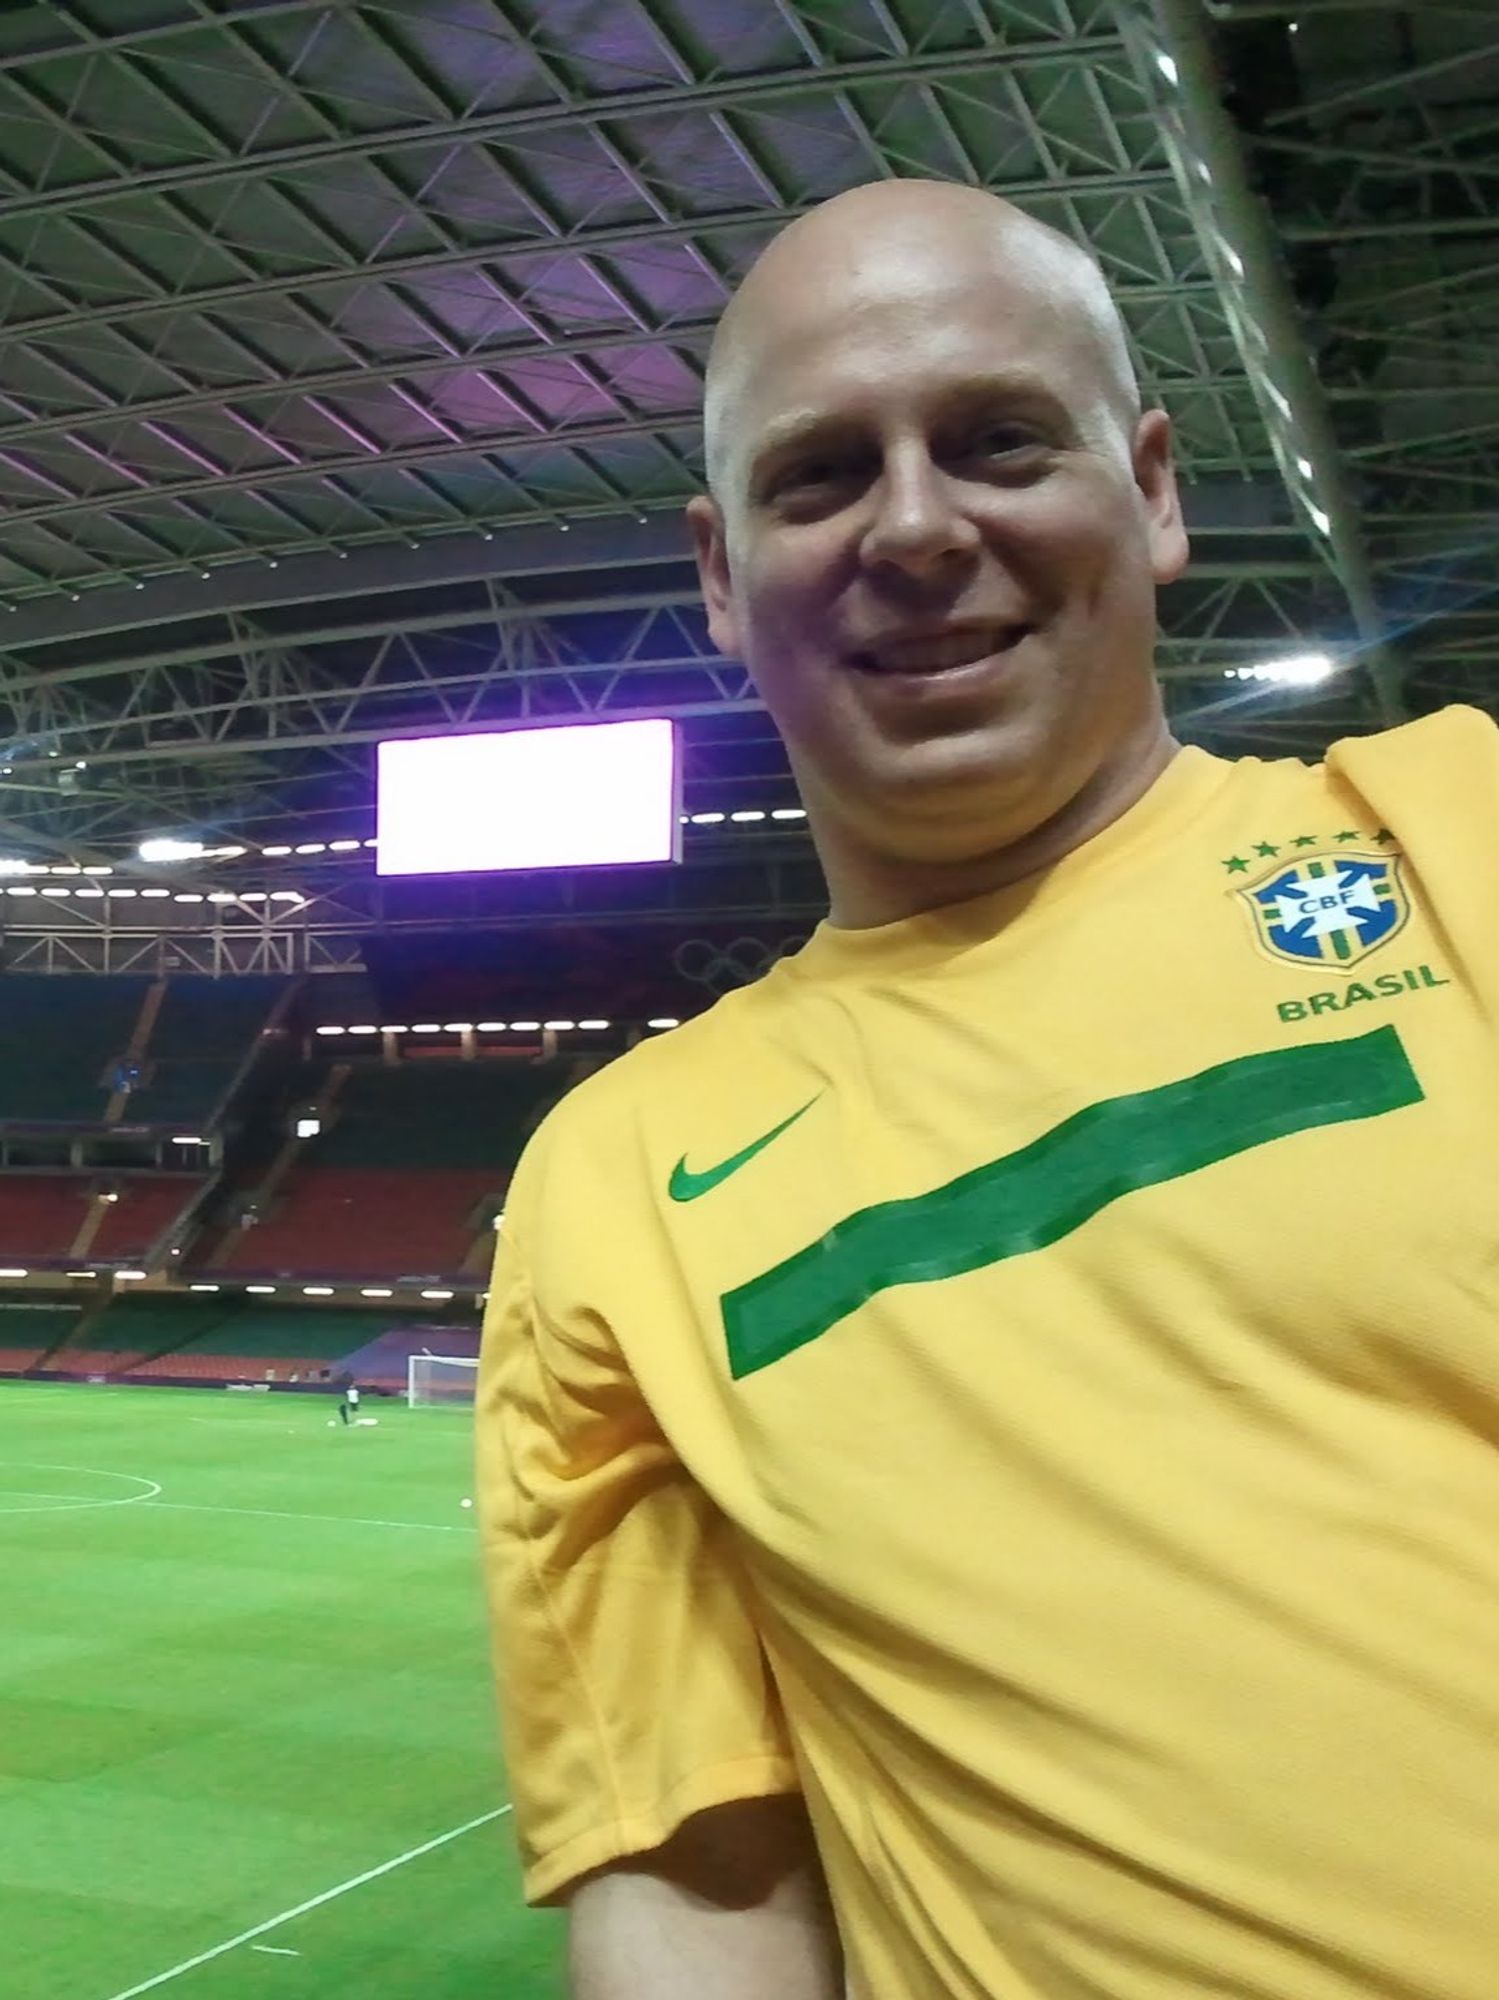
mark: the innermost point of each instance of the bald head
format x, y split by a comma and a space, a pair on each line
924, 238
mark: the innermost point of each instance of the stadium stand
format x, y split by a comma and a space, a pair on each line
41, 1216
66, 1041
61, 1039
99, 1071
52, 1219
366, 1223
148, 1207
405, 1180
424, 1115
171, 1337
102, 1345
202, 1040
29, 1332
402, 1183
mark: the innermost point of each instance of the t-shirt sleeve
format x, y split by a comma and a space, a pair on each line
1434, 784
634, 1691
1441, 773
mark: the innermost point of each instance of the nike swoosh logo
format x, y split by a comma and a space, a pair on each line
688, 1186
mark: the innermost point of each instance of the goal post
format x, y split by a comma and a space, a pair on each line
433, 1380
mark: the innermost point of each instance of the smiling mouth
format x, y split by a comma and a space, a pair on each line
940, 652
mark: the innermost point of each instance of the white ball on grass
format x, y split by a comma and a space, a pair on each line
465, 1503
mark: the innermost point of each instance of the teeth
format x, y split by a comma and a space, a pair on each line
936, 655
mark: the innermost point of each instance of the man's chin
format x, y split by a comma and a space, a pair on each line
955, 774
960, 814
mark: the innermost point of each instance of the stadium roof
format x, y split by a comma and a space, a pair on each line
351, 353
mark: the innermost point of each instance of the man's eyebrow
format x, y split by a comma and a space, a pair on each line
1029, 392
808, 428
802, 428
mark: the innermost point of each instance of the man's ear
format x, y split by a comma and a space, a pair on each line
1155, 477
710, 546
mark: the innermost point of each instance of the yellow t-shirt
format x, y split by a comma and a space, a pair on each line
1028, 1377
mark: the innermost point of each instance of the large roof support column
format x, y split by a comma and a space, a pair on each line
1169, 42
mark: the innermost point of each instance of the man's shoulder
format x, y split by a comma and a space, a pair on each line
654, 1062
601, 1117
1455, 746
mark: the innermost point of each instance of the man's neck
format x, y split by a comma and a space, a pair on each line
868, 890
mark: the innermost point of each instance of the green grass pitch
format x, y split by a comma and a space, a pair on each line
243, 1663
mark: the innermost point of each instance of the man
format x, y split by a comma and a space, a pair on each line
348, 1404
993, 1429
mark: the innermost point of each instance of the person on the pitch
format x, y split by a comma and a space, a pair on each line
988, 1436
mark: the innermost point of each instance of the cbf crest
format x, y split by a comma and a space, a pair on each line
1332, 910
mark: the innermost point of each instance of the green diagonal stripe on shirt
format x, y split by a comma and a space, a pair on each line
1040, 1194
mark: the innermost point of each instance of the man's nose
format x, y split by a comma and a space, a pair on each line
918, 529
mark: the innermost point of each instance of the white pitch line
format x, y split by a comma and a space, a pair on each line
20, 1493
275, 1951
66, 1503
275, 1514
312, 1903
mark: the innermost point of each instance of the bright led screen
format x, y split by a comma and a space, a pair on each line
579, 796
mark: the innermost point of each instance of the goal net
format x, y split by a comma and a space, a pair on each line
435, 1379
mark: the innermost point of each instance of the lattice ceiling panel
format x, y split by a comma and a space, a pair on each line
274, 277
351, 351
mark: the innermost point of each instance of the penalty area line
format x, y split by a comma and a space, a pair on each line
312, 1903
276, 1514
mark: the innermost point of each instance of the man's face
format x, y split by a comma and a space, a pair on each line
940, 537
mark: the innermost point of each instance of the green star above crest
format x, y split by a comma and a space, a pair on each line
1384, 837
1268, 849
1305, 840
1238, 866
1344, 838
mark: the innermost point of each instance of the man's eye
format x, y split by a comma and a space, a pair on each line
1002, 440
813, 472
816, 482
